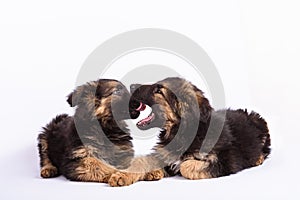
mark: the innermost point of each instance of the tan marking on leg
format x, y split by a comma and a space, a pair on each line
93, 170
141, 168
44, 152
212, 158
80, 153
84, 151
124, 178
154, 175
194, 169
48, 171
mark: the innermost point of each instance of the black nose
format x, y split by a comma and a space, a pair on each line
133, 87
134, 104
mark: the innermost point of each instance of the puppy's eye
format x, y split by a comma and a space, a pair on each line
118, 90
157, 89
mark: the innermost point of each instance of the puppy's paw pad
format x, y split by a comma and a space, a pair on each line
154, 175
49, 171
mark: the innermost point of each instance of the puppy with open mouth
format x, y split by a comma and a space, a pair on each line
177, 108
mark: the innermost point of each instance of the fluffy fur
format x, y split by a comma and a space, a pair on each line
76, 146
244, 140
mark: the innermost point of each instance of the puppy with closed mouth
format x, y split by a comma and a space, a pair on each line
94, 143
177, 107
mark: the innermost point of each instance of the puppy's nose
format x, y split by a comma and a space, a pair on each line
133, 104
133, 87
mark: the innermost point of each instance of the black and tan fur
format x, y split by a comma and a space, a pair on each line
92, 144
244, 141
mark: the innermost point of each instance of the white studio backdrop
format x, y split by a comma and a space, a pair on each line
255, 46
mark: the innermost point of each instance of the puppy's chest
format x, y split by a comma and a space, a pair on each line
143, 141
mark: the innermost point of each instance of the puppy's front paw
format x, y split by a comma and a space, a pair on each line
154, 175
119, 179
194, 169
49, 171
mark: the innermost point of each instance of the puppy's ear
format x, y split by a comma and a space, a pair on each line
75, 97
190, 100
190, 93
205, 109
204, 105
133, 87
69, 99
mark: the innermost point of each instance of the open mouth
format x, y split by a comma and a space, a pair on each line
146, 118
141, 107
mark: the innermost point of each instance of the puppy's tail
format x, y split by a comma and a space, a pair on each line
54, 124
264, 135
47, 168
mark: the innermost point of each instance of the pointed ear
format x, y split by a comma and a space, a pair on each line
78, 95
133, 87
205, 109
75, 97
173, 102
204, 105
69, 99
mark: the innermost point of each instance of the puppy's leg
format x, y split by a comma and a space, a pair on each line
198, 169
83, 166
154, 175
48, 170
123, 178
89, 169
142, 168
195, 169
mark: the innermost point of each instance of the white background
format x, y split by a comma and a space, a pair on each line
254, 44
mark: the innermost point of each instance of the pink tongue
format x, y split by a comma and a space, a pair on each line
141, 107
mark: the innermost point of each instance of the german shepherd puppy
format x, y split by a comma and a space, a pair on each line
177, 106
92, 144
